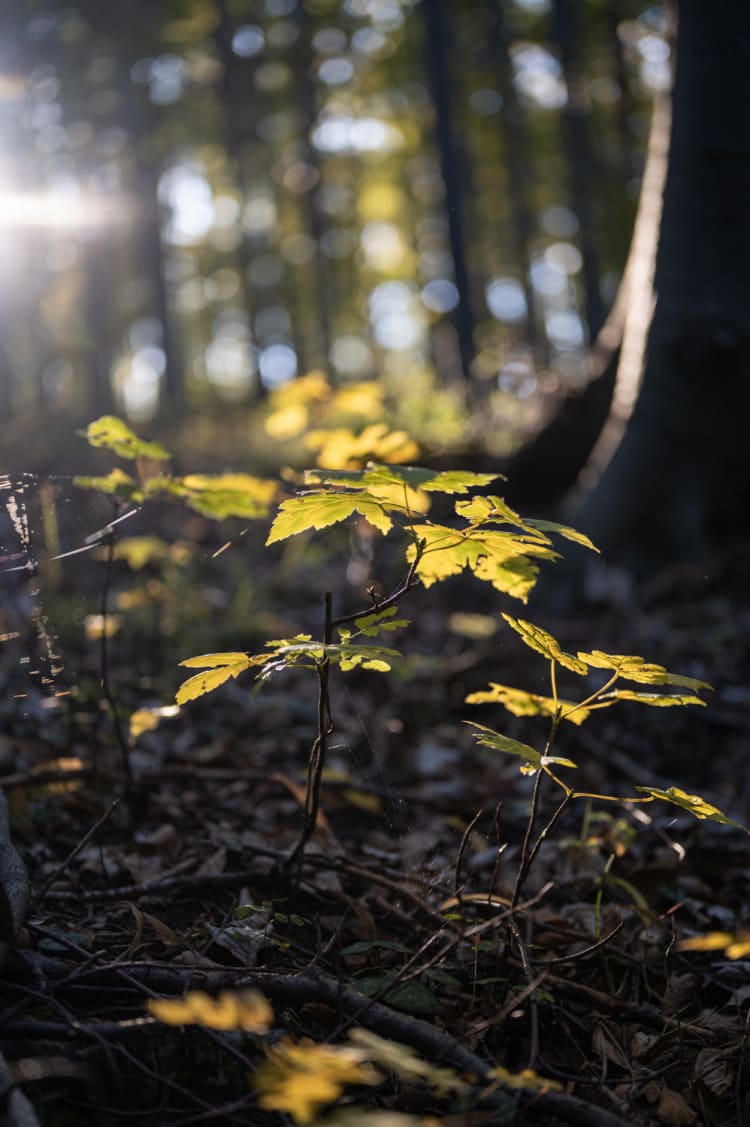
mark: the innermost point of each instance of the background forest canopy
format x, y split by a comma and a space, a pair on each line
202, 200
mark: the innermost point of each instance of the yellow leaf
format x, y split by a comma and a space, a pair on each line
364, 399
694, 803
319, 510
287, 422
343, 449
143, 720
227, 495
526, 1080
540, 640
634, 668
141, 550
215, 672
246, 1010
712, 941
521, 703
310, 388
211, 661
300, 1078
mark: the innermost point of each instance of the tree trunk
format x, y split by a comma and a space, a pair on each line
586, 428
453, 167
678, 480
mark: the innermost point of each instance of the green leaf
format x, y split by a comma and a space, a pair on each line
349, 656
411, 997
320, 510
521, 703
656, 700
117, 436
416, 477
543, 642
531, 757
692, 803
364, 946
489, 738
372, 624
564, 530
633, 668
117, 482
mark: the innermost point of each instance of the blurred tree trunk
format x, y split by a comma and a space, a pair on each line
520, 171
439, 47
581, 160
588, 423
238, 103
680, 478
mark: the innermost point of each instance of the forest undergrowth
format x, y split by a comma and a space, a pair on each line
337, 900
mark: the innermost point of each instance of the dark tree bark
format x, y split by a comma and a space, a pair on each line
680, 479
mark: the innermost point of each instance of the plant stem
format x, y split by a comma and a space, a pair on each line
104, 680
529, 852
317, 759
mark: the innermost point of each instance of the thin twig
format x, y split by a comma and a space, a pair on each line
457, 886
47, 884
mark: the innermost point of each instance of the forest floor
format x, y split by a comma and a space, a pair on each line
399, 918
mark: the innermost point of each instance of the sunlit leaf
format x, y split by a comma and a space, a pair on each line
384, 620
349, 655
527, 1080
341, 448
364, 398
633, 668
245, 1010
213, 661
494, 510
489, 738
147, 719
521, 703
563, 530
228, 495
405, 1062
543, 642
320, 510
138, 551
416, 477
218, 668
735, 945
313, 387
117, 436
117, 482
401, 498
288, 422
142, 720
499, 558
299, 1079
656, 700
692, 803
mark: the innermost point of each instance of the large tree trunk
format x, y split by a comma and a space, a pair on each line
680, 477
